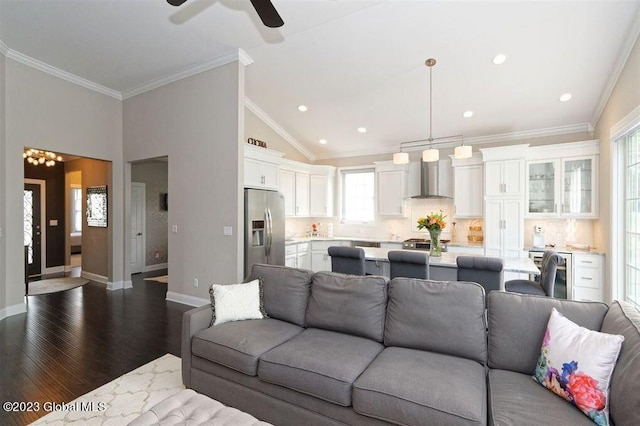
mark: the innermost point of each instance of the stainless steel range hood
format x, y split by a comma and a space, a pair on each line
429, 181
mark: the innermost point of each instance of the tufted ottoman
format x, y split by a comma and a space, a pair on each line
191, 408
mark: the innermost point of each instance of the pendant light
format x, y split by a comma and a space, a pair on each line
432, 154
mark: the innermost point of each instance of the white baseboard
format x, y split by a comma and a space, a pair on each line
55, 270
117, 285
94, 277
156, 267
128, 284
185, 299
8, 311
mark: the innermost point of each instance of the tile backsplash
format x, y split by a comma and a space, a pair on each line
388, 228
560, 231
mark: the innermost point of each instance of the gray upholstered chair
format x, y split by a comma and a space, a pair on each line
347, 260
409, 264
486, 271
550, 262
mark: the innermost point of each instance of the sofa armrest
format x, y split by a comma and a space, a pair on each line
193, 321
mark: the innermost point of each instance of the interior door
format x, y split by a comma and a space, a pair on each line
33, 228
137, 224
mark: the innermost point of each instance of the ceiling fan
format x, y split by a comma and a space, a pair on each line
265, 9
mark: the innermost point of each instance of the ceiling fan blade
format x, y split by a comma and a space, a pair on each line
267, 13
176, 2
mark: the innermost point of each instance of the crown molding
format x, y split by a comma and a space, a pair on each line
259, 112
623, 56
237, 55
64, 75
479, 140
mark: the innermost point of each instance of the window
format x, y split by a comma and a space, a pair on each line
76, 209
631, 149
358, 195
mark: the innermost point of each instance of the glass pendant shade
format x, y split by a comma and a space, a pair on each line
463, 151
430, 155
401, 158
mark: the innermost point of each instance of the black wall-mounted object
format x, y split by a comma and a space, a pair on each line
164, 201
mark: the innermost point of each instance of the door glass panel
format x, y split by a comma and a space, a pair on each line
28, 223
577, 186
542, 197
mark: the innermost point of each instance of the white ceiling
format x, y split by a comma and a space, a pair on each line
353, 63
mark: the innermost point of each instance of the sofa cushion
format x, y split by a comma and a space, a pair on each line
624, 402
286, 291
349, 304
437, 316
238, 344
516, 399
408, 386
517, 323
320, 363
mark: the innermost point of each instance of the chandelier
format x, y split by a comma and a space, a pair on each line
432, 154
38, 157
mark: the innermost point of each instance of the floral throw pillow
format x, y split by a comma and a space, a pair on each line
577, 363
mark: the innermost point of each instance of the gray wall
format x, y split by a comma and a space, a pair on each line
46, 111
95, 241
255, 128
198, 123
3, 205
155, 176
624, 98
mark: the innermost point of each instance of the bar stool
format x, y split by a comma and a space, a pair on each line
410, 264
347, 260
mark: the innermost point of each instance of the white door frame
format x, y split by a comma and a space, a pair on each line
43, 221
143, 213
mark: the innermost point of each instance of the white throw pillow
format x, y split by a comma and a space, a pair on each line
577, 363
235, 302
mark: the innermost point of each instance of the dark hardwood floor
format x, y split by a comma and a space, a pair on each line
72, 342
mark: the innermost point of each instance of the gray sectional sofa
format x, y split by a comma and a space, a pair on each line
340, 349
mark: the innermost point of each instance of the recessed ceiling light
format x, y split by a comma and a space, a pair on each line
362, 129
302, 108
467, 114
565, 97
499, 59
322, 141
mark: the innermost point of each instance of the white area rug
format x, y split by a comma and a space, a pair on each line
55, 285
122, 400
160, 279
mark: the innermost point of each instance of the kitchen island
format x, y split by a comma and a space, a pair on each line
442, 268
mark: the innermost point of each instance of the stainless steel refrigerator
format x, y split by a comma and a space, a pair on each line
263, 228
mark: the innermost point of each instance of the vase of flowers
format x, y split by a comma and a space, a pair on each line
434, 223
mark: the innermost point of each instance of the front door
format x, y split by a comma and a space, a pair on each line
137, 233
32, 229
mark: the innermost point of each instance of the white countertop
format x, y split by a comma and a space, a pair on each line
368, 239
523, 265
572, 250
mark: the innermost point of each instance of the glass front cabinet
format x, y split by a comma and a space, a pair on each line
563, 187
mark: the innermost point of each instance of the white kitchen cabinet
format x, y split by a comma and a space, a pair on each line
302, 194
303, 256
504, 178
503, 227
261, 167
467, 189
290, 261
294, 186
320, 195
320, 259
391, 188
260, 175
579, 187
287, 186
564, 187
588, 277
